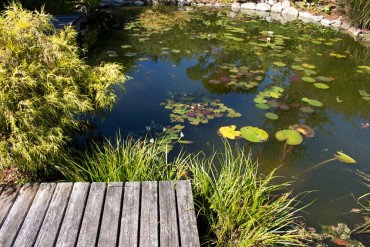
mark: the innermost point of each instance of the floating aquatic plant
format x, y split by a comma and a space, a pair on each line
197, 109
365, 95
229, 132
290, 136
254, 134
303, 129
312, 102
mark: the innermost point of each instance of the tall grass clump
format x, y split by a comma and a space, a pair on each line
125, 160
364, 202
45, 88
359, 13
242, 207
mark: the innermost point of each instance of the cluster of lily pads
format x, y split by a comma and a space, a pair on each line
291, 136
363, 69
308, 73
237, 77
196, 108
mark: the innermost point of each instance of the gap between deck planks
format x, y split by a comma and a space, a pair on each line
83, 214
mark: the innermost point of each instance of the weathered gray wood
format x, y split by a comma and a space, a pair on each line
31, 225
129, 232
16, 215
53, 218
168, 229
111, 215
7, 199
2, 186
91, 219
187, 221
72, 218
149, 215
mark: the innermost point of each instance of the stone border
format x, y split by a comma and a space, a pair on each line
269, 9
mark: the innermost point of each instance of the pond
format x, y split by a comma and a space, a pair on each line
213, 68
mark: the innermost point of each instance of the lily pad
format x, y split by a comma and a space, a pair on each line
279, 64
126, 46
271, 115
321, 85
263, 106
291, 137
308, 79
312, 102
229, 132
303, 129
307, 109
297, 67
323, 78
344, 158
254, 134
130, 54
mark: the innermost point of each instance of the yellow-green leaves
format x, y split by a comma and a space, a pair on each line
344, 158
229, 132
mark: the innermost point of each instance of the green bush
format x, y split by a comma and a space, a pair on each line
359, 13
45, 88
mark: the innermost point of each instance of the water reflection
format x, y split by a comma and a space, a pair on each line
235, 60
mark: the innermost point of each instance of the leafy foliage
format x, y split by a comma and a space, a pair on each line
44, 87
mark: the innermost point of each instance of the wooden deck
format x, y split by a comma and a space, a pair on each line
83, 214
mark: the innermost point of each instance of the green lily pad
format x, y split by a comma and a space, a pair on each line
321, 85
342, 157
130, 54
310, 72
323, 78
254, 134
259, 100
175, 51
126, 46
291, 137
308, 66
312, 102
271, 115
263, 106
229, 132
307, 109
297, 67
308, 79
279, 64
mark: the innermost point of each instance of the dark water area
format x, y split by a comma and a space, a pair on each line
207, 59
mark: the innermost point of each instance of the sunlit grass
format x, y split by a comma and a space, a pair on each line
242, 207
125, 160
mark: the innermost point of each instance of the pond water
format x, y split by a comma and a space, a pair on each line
208, 69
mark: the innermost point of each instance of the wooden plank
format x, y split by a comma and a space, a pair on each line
149, 215
31, 225
111, 215
91, 219
72, 219
129, 231
17, 213
168, 229
54, 216
7, 199
187, 221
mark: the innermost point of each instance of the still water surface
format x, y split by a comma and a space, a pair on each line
174, 55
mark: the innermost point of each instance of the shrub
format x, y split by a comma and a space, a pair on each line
45, 88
